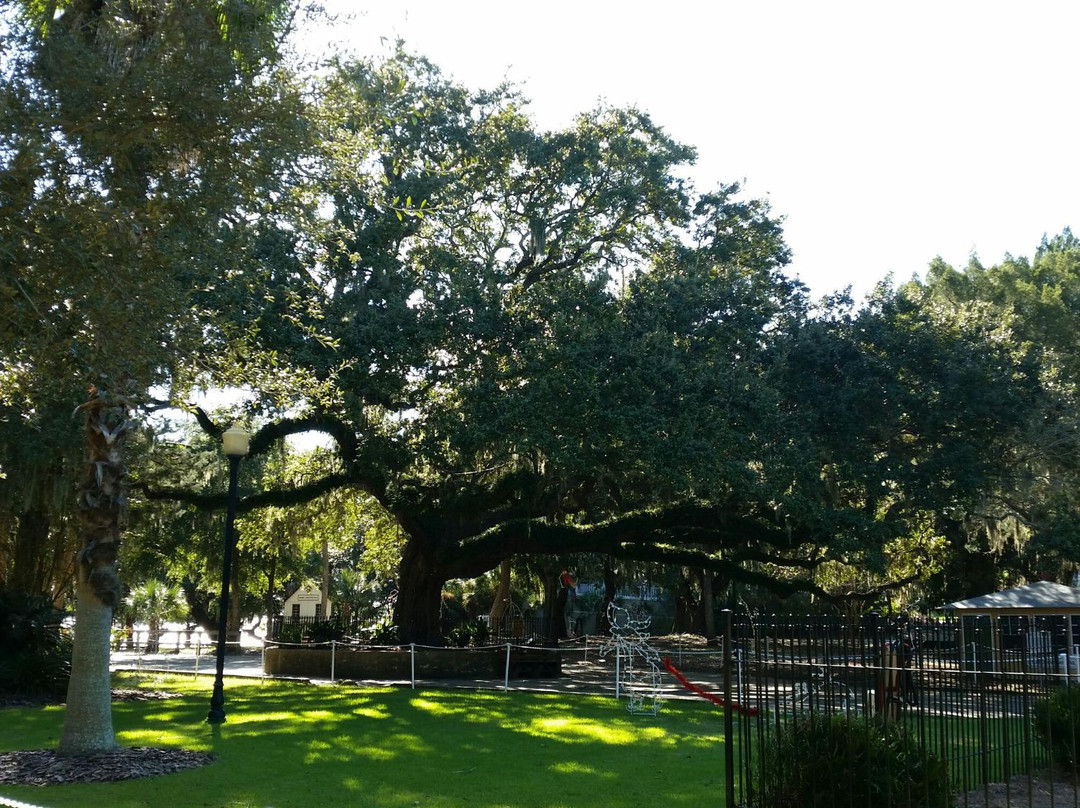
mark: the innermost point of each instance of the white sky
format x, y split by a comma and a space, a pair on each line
885, 133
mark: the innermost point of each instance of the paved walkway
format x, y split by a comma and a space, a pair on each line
578, 676
246, 663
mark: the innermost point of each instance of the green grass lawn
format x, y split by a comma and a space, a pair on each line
289, 745
981, 749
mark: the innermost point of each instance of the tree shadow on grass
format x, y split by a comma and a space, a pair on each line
289, 745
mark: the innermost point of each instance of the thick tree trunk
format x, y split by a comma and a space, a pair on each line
707, 611
555, 596
271, 586
685, 607
199, 607
560, 628
88, 715
419, 599
697, 611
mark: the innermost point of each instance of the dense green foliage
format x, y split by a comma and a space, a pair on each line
1056, 720
35, 651
1027, 518
544, 343
821, 760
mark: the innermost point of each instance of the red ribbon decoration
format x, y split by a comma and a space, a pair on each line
704, 694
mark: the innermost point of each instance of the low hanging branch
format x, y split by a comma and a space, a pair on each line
281, 498
650, 531
262, 440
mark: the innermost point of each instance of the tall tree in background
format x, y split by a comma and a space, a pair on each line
138, 144
1028, 524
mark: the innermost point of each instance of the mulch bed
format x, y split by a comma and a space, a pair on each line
43, 767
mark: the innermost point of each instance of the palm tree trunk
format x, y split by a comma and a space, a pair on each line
88, 726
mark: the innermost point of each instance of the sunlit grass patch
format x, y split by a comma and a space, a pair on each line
573, 767
286, 745
577, 730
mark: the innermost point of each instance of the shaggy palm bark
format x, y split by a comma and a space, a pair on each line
88, 726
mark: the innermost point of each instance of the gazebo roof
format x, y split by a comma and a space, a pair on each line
1043, 597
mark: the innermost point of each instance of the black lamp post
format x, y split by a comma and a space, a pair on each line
236, 447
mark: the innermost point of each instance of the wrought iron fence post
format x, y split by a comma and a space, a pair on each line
618, 673
881, 674
506, 673
729, 723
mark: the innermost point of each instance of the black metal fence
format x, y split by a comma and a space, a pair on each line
289, 629
965, 690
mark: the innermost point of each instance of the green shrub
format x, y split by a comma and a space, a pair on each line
384, 633
323, 631
290, 633
468, 634
1057, 723
481, 634
35, 652
460, 636
312, 632
823, 760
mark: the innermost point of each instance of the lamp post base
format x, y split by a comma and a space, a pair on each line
216, 715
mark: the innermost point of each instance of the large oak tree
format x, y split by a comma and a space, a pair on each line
527, 342
534, 342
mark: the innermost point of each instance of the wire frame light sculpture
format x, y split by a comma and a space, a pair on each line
638, 667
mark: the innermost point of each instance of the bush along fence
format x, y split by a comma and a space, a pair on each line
458, 632
877, 712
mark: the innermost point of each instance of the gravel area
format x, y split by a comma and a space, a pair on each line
1042, 790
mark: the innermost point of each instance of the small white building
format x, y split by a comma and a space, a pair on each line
306, 604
